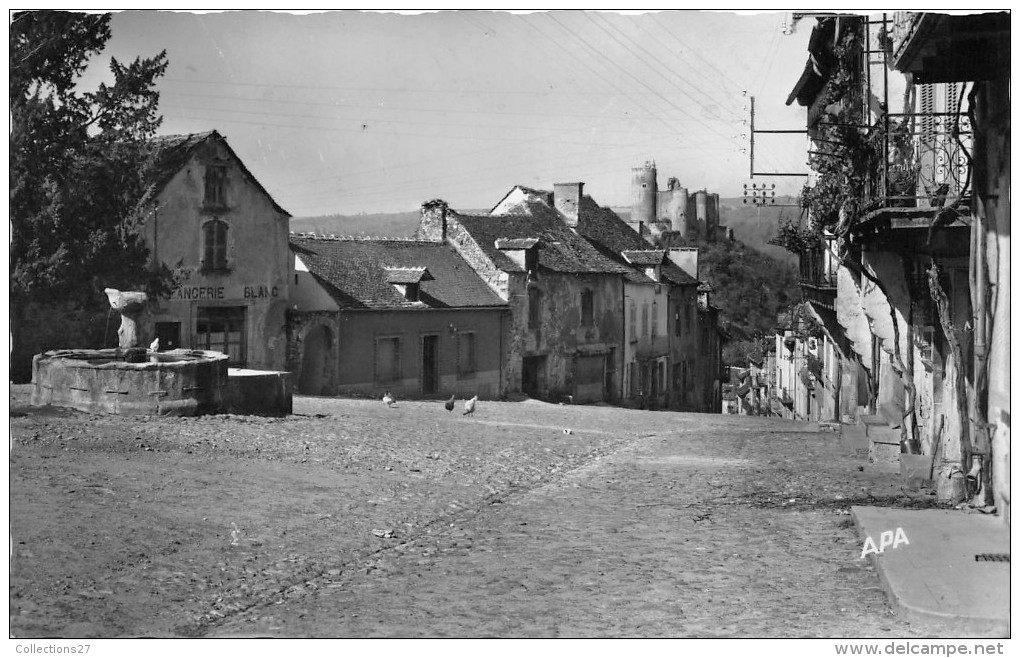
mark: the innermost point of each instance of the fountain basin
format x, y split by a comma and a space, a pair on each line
174, 383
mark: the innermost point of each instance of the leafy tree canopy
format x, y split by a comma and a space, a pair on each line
78, 161
750, 289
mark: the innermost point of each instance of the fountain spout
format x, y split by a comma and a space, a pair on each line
133, 307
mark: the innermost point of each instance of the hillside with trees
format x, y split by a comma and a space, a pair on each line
749, 288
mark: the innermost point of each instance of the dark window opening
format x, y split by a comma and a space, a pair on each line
587, 307
216, 186
466, 363
169, 335
534, 307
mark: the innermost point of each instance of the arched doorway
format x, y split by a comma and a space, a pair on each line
316, 361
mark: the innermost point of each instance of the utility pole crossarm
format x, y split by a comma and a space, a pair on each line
754, 132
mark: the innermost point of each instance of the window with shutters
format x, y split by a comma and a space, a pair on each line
214, 237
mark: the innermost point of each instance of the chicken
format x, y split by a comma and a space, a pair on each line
154, 345
389, 400
449, 403
469, 406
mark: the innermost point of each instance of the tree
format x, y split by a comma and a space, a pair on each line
78, 160
78, 172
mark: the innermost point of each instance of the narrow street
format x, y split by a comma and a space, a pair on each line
350, 519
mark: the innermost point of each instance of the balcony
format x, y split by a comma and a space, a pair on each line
817, 281
925, 163
946, 47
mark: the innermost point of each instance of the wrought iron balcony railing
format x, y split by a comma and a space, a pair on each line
813, 270
926, 163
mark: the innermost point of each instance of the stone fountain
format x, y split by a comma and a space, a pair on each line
131, 379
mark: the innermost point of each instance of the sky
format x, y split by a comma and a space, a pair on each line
346, 112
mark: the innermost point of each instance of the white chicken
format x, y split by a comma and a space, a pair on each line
389, 400
469, 405
154, 345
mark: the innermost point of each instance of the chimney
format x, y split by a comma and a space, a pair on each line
686, 258
432, 225
567, 198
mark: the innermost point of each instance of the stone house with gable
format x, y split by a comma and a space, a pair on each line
208, 212
662, 341
406, 316
566, 334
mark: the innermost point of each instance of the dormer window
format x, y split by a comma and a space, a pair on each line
523, 251
649, 260
407, 281
216, 186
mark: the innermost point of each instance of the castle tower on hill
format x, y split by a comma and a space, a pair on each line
653, 212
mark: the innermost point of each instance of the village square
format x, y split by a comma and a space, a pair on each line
627, 401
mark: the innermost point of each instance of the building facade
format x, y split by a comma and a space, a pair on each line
209, 215
565, 335
405, 316
919, 230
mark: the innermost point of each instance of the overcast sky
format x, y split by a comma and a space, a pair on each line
348, 112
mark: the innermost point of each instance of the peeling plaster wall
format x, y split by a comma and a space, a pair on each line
992, 185
850, 315
640, 348
559, 336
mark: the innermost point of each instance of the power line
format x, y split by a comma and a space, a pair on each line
654, 57
636, 79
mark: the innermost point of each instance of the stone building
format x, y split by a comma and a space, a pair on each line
921, 250
597, 313
666, 354
207, 212
406, 316
565, 334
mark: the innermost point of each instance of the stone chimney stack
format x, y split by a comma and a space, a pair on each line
432, 225
567, 198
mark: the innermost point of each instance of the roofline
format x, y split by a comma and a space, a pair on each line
511, 191
420, 309
216, 134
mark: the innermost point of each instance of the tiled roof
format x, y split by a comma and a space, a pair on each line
356, 272
172, 152
644, 257
562, 249
613, 236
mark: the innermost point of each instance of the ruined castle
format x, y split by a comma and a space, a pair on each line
695, 216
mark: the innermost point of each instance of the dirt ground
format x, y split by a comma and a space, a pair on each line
351, 519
